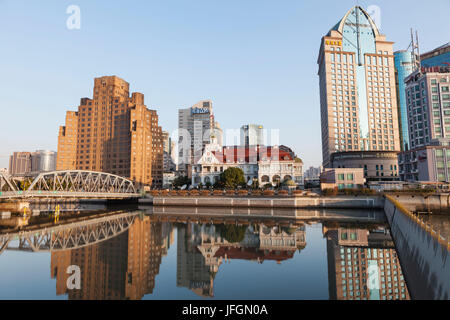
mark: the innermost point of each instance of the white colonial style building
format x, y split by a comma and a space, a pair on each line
273, 171
264, 164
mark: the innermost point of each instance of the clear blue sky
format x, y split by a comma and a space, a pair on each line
256, 59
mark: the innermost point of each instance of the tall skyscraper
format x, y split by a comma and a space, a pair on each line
404, 66
357, 88
20, 163
196, 128
113, 133
252, 135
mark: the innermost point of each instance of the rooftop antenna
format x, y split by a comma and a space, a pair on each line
358, 36
419, 59
414, 45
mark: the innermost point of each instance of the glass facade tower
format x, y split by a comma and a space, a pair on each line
404, 66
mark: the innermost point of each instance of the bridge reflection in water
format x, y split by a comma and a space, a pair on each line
120, 253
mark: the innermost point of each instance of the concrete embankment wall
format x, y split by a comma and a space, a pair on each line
439, 202
425, 262
339, 202
351, 215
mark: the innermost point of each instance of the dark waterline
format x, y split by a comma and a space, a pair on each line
151, 258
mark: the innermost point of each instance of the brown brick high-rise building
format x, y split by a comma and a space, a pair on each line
113, 132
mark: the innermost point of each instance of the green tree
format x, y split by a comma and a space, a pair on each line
255, 184
267, 186
218, 185
181, 181
232, 178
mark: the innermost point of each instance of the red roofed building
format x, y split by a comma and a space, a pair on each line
267, 164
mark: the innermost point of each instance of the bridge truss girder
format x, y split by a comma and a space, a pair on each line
81, 181
7, 183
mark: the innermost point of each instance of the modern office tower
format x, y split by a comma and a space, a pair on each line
439, 57
428, 102
196, 127
252, 135
404, 66
43, 161
20, 163
113, 133
357, 89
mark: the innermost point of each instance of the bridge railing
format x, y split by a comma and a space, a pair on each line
65, 194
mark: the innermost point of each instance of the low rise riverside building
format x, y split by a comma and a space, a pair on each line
273, 164
377, 165
342, 178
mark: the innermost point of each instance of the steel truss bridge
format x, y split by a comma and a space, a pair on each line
69, 184
68, 236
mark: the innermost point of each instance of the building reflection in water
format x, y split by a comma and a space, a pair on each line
201, 249
353, 253
123, 267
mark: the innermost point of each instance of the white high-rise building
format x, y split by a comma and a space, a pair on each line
196, 127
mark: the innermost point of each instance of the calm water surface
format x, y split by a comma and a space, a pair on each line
131, 254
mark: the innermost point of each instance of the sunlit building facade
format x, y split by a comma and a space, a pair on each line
357, 88
20, 163
115, 133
